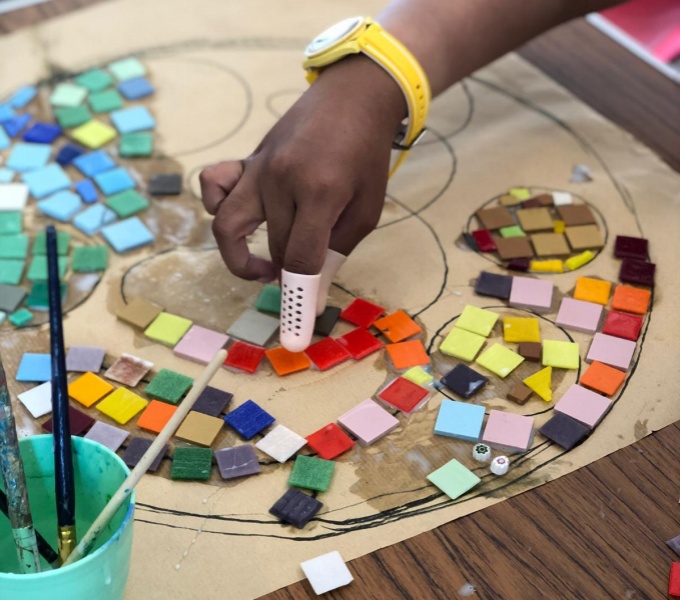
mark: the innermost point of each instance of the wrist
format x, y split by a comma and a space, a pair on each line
372, 89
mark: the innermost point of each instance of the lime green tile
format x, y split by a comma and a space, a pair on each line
63, 242
11, 222
562, 355
500, 360
418, 375
72, 116
454, 479
520, 193
136, 144
462, 344
127, 203
14, 246
94, 80
168, 329
87, 259
94, 134
512, 231
37, 271
21, 317
477, 320
11, 270
105, 101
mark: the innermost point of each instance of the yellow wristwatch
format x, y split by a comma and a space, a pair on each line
360, 34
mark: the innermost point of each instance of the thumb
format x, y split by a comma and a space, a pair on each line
217, 182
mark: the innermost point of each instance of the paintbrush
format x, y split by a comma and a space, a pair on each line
46, 551
87, 542
63, 458
14, 480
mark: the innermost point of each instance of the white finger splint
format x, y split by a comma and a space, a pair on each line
303, 297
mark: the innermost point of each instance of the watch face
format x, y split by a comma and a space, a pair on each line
333, 35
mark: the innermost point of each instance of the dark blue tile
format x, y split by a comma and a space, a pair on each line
249, 419
296, 507
67, 153
464, 381
42, 133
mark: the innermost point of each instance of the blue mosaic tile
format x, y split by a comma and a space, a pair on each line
35, 367
67, 154
5, 142
87, 191
93, 163
127, 234
26, 157
134, 89
6, 112
114, 181
42, 133
61, 206
91, 220
249, 419
16, 124
130, 120
47, 180
23, 96
6, 175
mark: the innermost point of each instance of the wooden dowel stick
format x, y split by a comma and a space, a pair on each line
87, 542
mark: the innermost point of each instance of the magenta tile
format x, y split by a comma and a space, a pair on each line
368, 421
200, 344
583, 405
612, 351
579, 315
535, 294
508, 431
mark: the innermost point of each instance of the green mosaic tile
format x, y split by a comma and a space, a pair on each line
454, 479
40, 244
191, 463
512, 231
94, 80
37, 271
169, 386
11, 270
127, 203
269, 299
311, 473
11, 222
136, 144
14, 246
89, 258
72, 116
21, 317
105, 101
127, 68
39, 299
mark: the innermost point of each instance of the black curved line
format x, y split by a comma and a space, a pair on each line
466, 122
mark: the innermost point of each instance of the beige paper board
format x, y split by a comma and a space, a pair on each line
224, 72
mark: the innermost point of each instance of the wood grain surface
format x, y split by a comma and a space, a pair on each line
597, 533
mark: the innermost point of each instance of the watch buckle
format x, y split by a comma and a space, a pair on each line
401, 134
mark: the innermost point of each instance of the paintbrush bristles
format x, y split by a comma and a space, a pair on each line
14, 481
88, 540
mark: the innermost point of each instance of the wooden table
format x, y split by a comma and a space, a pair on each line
599, 532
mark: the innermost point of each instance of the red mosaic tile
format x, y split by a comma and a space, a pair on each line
622, 325
327, 353
360, 343
245, 357
484, 240
403, 394
362, 313
329, 442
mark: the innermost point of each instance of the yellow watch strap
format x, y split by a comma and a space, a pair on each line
401, 65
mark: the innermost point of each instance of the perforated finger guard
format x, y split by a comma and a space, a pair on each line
334, 260
298, 309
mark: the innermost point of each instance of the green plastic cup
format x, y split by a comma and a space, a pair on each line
102, 574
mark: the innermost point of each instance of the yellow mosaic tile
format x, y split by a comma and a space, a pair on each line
521, 329
122, 405
540, 383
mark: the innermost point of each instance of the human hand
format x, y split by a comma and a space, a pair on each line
317, 179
